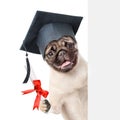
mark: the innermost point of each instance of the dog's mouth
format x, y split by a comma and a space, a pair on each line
66, 64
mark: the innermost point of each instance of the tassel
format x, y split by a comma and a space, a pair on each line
28, 69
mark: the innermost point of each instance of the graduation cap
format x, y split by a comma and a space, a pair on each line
47, 27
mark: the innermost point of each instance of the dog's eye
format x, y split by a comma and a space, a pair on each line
50, 54
69, 45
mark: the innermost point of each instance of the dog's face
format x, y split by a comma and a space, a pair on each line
62, 54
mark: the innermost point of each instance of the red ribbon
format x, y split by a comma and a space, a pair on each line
39, 91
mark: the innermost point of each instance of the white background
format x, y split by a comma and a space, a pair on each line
15, 19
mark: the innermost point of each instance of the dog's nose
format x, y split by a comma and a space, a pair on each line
62, 53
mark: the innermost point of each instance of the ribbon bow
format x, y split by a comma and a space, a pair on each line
39, 91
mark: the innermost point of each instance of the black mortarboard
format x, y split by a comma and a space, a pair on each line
45, 28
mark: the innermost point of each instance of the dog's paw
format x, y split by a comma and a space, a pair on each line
45, 106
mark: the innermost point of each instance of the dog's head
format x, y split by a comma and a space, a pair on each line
62, 54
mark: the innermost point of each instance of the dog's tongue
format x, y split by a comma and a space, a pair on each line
65, 64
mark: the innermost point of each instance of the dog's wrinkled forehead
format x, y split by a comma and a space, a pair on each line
59, 43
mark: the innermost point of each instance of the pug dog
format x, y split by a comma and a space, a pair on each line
68, 80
